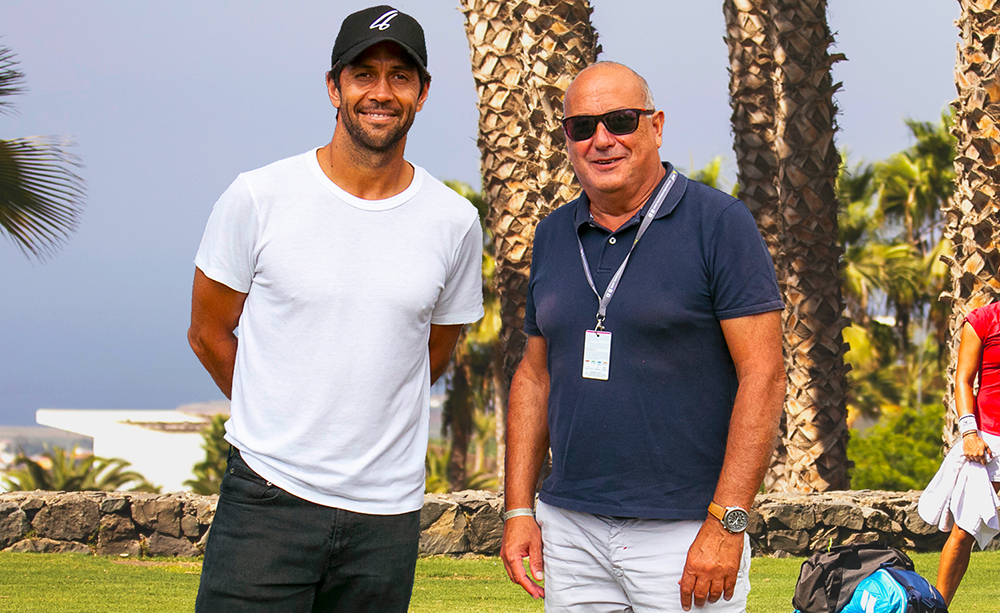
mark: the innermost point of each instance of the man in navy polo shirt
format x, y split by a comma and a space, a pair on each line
653, 369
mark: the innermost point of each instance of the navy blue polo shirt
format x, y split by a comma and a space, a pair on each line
648, 442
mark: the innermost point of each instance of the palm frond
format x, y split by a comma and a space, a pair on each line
482, 480
855, 182
41, 197
436, 469
69, 473
11, 80
26, 474
711, 174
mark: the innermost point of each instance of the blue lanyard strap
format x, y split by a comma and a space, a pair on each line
604, 300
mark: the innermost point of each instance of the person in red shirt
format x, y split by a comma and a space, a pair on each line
979, 423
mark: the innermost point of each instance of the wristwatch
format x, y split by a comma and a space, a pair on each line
734, 519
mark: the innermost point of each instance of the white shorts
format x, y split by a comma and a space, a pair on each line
598, 564
993, 466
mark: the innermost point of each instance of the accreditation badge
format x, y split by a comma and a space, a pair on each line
597, 355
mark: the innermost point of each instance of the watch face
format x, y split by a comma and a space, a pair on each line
735, 520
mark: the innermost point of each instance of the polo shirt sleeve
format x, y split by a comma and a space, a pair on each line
461, 300
537, 255
227, 250
743, 280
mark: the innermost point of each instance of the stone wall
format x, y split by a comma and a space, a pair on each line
133, 524
105, 523
802, 524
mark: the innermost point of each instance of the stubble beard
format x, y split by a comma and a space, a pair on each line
378, 143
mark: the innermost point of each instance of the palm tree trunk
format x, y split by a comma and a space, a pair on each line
749, 37
525, 53
751, 94
816, 407
782, 98
501, 387
457, 419
972, 213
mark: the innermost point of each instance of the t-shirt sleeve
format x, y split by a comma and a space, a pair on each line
980, 320
461, 300
743, 278
226, 253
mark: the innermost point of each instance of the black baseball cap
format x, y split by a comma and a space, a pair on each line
373, 25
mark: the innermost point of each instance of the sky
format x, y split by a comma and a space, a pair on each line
167, 102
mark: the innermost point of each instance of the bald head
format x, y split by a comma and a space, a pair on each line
617, 170
614, 73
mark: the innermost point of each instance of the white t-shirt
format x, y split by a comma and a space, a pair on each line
332, 380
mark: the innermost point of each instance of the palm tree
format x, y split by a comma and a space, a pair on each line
873, 384
41, 198
436, 469
209, 472
524, 56
471, 375
68, 473
484, 430
750, 39
457, 413
749, 35
808, 161
914, 185
710, 174
971, 214
783, 110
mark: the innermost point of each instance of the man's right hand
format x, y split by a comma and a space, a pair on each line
522, 539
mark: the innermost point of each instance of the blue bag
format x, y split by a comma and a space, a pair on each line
894, 590
921, 596
878, 593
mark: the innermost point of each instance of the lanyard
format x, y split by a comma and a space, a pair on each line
648, 219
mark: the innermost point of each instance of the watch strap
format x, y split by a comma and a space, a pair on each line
723, 514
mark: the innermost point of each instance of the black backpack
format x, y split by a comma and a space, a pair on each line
827, 580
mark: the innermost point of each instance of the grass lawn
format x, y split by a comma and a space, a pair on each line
68, 583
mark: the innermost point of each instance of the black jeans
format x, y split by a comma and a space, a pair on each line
270, 551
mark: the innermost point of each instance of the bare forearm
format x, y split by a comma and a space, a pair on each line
527, 435
218, 355
753, 430
754, 343
964, 398
526, 449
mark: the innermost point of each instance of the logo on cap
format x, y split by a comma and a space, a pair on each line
382, 23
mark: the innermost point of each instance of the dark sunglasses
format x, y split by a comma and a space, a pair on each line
622, 121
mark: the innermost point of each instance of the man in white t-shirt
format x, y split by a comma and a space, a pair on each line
349, 273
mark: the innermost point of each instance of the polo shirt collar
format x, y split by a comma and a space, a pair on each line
582, 214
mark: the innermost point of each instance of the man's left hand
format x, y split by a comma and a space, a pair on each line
713, 562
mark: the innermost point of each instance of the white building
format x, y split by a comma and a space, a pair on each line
161, 445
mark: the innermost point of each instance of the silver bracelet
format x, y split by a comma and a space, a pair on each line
967, 423
518, 513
